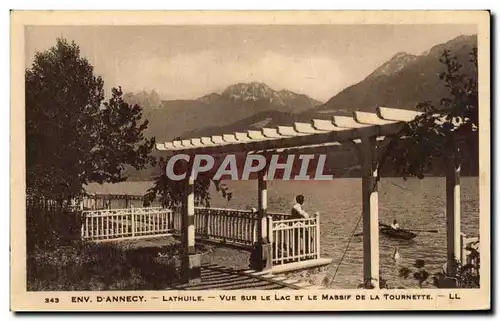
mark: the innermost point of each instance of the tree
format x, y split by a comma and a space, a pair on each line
121, 140
72, 137
448, 130
169, 193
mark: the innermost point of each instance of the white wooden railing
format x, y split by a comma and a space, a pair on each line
109, 224
226, 225
238, 227
469, 244
294, 240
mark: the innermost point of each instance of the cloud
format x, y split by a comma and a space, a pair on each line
187, 76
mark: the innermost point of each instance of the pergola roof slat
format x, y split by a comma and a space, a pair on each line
271, 133
305, 128
207, 141
187, 143
161, 146
288, 131
230, 138
177, 144
318, 132
196, 142
346, 122
256, 135
397, 114
217, 139
242, 137
303, 140
370, 119
324, 125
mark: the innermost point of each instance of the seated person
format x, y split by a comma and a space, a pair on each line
299, 213
395, 225
297, 209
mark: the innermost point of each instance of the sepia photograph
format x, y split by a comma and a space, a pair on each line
342, 160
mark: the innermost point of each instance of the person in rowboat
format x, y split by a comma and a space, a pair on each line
395, 225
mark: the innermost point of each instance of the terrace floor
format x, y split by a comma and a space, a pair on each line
226, 268
215, 277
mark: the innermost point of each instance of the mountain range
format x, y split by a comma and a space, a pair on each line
173, 118
401, 82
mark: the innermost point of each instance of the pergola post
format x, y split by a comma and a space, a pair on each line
452, 217
370, 213
191, 262
261, 258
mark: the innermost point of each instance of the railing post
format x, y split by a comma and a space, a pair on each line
270, 237
132, 216
83, 219
270, 228
463, 246
191, 262
261, 258
83, 227
262, 208
206, 223
452, 215
370, 213
318, 237
255, 238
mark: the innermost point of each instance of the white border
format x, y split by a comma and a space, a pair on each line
212, 5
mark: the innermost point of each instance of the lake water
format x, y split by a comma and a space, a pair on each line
417, 204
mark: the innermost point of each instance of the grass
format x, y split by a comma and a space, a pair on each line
125, 265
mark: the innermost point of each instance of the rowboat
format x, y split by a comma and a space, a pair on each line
398, 234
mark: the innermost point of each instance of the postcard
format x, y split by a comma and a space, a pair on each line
250, 161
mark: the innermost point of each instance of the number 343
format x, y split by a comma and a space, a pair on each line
51, 300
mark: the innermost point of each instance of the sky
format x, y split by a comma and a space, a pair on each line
186, 62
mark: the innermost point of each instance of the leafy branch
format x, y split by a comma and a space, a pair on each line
447, 130
170, 193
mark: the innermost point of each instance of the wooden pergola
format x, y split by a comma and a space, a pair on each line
364, 130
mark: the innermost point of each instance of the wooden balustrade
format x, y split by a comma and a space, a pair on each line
226, 225
218, 224
45, 204
279, 216
112, 224
470, 245
294, 240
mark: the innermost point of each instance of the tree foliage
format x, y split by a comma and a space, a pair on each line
170, 193
445, 130
73, 137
